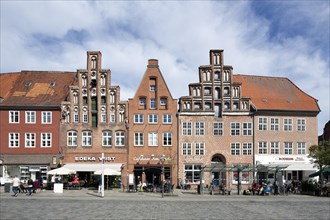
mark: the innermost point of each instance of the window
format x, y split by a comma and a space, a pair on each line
287, 124
167, 119
218, 128
152, 103
199, 149
301, 148
207, 91
186, 128
153, 119
287, 147
138, 139
199, 128
30, 140
217, 75
235, 149
72, 138
262, 147
107, 138
247, 148
75, 118
167, 139
138, 119
85, 118
262, 124
112, 118
152, 139
46, 140
163, 101
30, 117
274, 148
86, 138
46, 117
142, 101
14, 117
186, 148
120, 138
192, 173
103, 118
152, 88
274, 124
234, 129
13, 140
301, 125
247, 129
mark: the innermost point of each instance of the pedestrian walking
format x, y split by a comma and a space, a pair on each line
15, 183
30, 186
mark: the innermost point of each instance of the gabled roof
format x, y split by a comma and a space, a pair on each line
275, 93
35, 88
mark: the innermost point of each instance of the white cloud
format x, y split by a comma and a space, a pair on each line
55, 35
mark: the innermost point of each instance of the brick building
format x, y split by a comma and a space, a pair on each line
94, 122
30, 111
238, 121
152, 130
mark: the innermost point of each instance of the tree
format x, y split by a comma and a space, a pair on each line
320, 155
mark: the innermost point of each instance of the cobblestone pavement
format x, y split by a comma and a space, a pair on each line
88, 204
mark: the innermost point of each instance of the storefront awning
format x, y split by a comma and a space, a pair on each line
301, 166
92, 167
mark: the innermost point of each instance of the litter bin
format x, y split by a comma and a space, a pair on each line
7, 187
199, 189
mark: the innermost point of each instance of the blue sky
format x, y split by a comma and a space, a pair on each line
272, 38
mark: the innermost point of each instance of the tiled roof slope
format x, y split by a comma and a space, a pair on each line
275, 93
35, 88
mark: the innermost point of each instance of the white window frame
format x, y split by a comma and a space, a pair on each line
301, 148
30, 140
274, 124
247, 148
200, 148
199, 128
106, 138
46, 117
247, 129
235, 128
30, 117
235, 148
138, 118
167, 139
75, 118
86, 139
153, 119
167, 119
14, 117
288, 148
274, 147
13, 140
187, 128
262, 147
45, 139
120, 138
218, 128
186, 148
163, 101
85, 118
142, 101
152, 88
262, 123
301, 124
153, 103
72, 138
103, 118
287, 124
152, 139
138, 139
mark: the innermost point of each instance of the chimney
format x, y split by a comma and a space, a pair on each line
152, 63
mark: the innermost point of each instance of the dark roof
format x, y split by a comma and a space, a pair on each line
275, 93
35, 88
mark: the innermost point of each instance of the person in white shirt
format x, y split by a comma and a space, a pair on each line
15, 183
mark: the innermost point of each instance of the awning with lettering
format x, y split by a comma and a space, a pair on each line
92, 167
301, 166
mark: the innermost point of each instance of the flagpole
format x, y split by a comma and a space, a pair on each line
102, 189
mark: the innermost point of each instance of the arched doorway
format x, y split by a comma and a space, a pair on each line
218, 177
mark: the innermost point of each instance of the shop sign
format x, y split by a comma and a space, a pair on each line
290, 158
142, 158
79, 158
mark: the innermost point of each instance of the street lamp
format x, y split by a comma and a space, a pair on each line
162, 160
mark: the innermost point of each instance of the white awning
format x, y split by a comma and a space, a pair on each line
301, 166
92, 167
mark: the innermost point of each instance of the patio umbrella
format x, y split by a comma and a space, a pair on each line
326, 170
61, 171
108, 172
